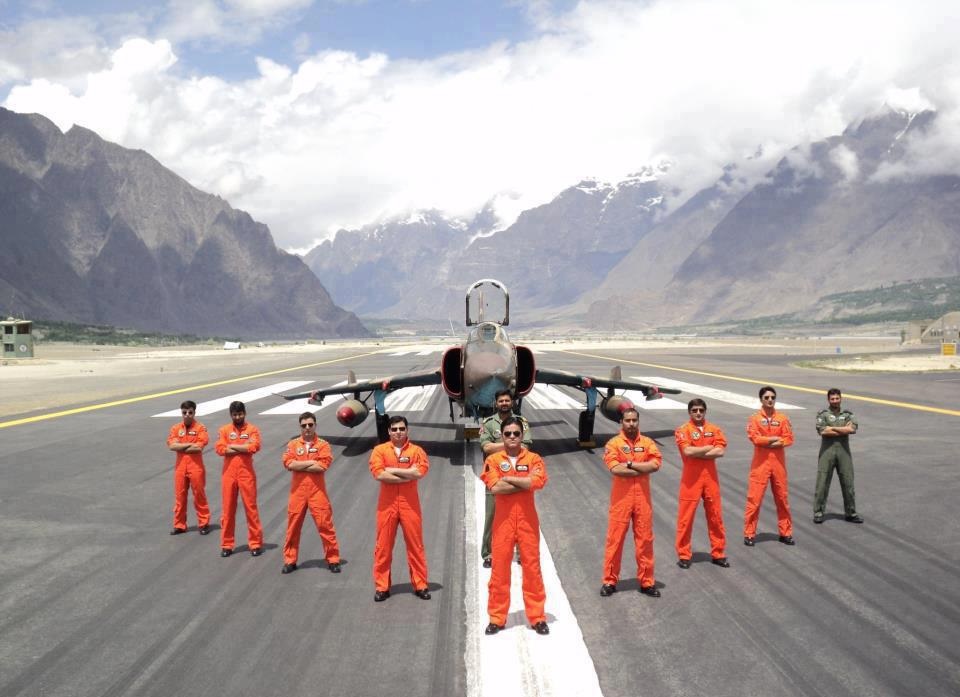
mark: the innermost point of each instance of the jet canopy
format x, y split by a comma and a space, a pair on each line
488, 301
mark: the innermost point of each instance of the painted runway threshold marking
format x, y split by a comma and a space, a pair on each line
740, 400
221, 403
517, 661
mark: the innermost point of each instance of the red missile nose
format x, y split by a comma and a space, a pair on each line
346, 415
624, 405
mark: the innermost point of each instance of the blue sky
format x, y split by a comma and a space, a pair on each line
315, 115
402, 29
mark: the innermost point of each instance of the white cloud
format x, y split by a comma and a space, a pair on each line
846, 161
340, 139
227, 22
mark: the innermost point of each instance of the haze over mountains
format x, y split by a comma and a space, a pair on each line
93, 232
827, 218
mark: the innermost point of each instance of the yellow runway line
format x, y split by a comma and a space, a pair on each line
142, 398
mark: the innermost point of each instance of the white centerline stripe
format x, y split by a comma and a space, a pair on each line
222, 403
741, 400
517, 660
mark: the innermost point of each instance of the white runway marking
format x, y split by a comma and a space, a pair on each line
549, 397
427, 352
410, 398
740, 400
397, 354
222, 403
518, 661
662, 404
298, 406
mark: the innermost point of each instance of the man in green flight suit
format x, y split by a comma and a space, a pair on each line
491, 442
835, 425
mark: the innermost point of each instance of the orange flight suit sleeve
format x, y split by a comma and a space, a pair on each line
753, 431
253, 442
786, 431
378, 461
222, 441
538, 471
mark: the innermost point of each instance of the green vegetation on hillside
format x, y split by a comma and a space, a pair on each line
925, 299
46, 330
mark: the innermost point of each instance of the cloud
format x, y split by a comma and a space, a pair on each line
339, 139
227, 22
846, 161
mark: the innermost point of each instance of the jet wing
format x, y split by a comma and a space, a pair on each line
387, 384
562, 377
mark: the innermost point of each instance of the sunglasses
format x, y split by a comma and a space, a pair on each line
769, 396
512, 434
697, 410
307, 425
398, 429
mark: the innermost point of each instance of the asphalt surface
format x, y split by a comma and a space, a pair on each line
97, 599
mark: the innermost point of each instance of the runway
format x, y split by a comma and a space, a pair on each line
97, 599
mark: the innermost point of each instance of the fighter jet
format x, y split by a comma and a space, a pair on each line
472, 373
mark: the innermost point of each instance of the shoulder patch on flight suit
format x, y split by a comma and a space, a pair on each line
695, 435
299, 451
233, 436
505, 466
182, 432
625, 448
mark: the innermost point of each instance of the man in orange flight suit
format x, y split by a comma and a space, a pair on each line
770, 432
700, 443
513, 474
188, 439
309, 457
630, 457
397, 465
237, 442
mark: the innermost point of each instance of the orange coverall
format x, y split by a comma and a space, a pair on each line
189, 474
630, 502
399, 503
515, 523
699, 481
239, 475
309, 490
768, 464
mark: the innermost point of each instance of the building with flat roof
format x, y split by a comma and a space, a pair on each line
17, 337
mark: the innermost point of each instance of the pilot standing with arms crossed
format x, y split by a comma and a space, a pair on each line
835, 426
770, 432
398, 465
188, 439
631, 458
491, 443
308, 458
513, 475
237, 443
700, 443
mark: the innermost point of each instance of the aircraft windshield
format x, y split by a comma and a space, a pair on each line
487, 332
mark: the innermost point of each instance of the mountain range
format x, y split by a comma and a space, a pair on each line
633, 255
93, 232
